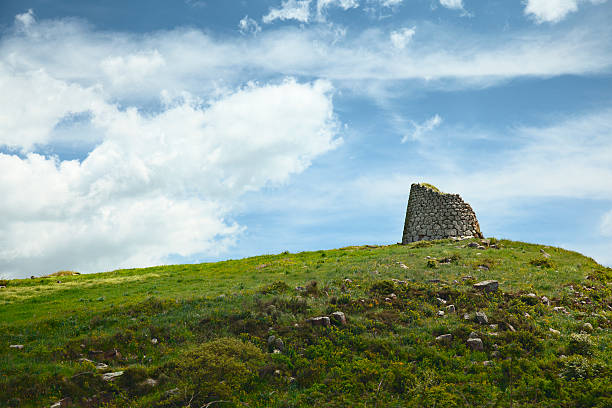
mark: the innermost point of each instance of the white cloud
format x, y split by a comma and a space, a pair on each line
248, 26
606, 224
553, 11
290, 10
569, 158
25, 20
420, 129
187, 59
452, 4
390, 3
402, 37
323, 5
131, 69
33, 103
157, 184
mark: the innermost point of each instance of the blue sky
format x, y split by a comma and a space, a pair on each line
151, 132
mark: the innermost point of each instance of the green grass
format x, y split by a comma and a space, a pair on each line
431, 187
211, 323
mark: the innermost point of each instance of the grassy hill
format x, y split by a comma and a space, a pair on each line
200, 335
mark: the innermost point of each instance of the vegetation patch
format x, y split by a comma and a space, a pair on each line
360, 326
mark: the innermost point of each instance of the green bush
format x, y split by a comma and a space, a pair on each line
578, 367
383, 287
274, 288
218, 370
543, 263
580, 343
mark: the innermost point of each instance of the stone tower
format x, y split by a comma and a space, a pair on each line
432, 214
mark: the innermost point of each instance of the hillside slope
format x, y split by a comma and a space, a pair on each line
201, 335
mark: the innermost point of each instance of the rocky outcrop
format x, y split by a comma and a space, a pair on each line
432, 214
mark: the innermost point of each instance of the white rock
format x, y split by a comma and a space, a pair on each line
112, 376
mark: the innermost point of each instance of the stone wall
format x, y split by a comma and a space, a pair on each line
435, 215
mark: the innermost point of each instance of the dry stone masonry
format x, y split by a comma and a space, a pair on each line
432, 214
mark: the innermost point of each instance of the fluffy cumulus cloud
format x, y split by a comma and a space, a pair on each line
289, 10
154, 183
553, 11
401, 38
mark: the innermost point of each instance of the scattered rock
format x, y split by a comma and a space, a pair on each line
487, 285
149, 382
480, 247
469, 277
483, 267
587, 327
393, 296
495, 354
473, 335
101, 366
475, 344
493, 326
444, 339
493, 246
320, 321
440, 313
2, 287
466, 316
441, 301
555, 332
560, 309
545, 300
338, 318
112, 376
527, 315
16, 346
487, 363
531, 295
450, 308
171, 392
348, 281
154, 340
403, 266
472, 245
544, 253
510, 327
481, 318
64, 402
300, 288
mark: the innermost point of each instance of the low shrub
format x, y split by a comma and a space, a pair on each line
274, 288
218, 370
580, 343
543, 263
